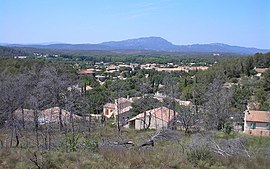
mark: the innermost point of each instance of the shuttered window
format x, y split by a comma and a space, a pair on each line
253, 125
268, 126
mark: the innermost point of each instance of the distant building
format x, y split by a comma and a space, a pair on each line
257, 123
228, 85
182, 68
20, 57
160, 97
112, 68
260, 71
87, 72
157, 118
183, 102
101, 78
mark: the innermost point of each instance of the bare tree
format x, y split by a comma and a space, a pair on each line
76, 104
118, 88
172, 91
56, 82
13, 93
142, 105
189, 117
217, 107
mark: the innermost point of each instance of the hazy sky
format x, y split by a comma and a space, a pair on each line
235, 22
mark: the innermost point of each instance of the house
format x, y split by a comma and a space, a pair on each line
108, 109
123, 115
112, 68
260, 71
101, 78
26, 115
257, 122
228, 85
160, 97
121, 110
50, 115
183, 102
87, 72
157, 118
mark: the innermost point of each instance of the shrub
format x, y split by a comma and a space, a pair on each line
199, 153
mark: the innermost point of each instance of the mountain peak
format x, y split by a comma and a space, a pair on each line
144, 43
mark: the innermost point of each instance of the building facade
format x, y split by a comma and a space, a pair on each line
257, 123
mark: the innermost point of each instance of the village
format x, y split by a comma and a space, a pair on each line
194, 112
120, 113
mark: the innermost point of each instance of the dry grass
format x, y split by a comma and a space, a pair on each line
166, 154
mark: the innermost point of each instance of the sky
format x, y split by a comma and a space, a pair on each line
182, 22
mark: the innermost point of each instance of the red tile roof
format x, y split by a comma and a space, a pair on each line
87, 71
260, 70
123, 100
109, 105
258, 116
52, 114
162, 113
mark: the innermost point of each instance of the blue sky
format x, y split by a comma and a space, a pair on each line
235, 22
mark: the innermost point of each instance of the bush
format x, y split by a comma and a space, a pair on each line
227, 128
200, 153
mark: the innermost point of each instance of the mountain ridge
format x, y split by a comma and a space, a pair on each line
151, 43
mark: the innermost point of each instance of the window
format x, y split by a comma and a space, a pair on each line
253, 125
268, 126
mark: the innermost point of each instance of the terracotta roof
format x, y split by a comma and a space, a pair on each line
28, 114
52, 114
109, 105
87, 71
123, 100
162, 113
123, 110
112, 67
260, 70
258, 116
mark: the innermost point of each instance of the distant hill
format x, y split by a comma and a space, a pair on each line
150, 44
10, 52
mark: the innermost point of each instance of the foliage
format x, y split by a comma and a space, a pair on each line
227, 128
71, 141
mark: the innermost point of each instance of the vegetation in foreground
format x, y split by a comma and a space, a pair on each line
175, 150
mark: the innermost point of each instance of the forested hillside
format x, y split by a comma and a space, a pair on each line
9, 52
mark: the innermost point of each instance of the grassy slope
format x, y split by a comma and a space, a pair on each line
165, 154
